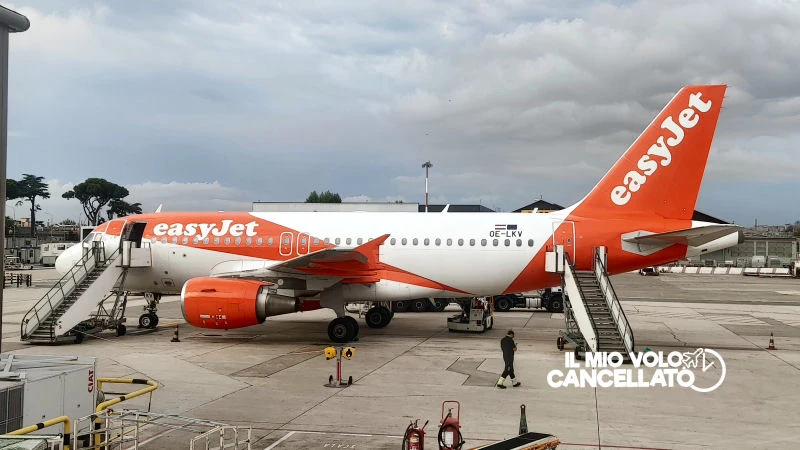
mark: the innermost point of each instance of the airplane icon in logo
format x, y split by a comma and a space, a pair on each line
693, 360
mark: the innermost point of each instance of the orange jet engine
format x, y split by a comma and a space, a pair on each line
224, 303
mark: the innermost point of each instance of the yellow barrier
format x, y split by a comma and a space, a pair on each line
152, 386
48, 423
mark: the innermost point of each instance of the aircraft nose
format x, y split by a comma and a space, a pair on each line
67, 259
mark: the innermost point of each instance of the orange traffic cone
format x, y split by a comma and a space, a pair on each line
175, 338
771, 342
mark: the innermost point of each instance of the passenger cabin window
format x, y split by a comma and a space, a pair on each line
205, 240
227, 241
175, 240
392, 241
427, 241
530, 242
472, 242
260, 241
460, 242
348, 241
438, 242
195, 240
508, 242
495, 242
248, 241
164, 240
415, 241
359, 241
238, 240
338, 241
327, 241
449, 242
270, 241
216, 240
519, 242
316, 242
185, 240
483, 242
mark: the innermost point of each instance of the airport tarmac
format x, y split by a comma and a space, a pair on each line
271, 376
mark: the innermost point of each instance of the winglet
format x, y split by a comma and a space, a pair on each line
446, 207
158, 210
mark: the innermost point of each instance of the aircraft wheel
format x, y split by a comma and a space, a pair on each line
79, 337
420, 305
387, 315
440, 304
375, 318
354, 328
121, 330
350, 380
146, 320
556, 305
339, 330
502, 304
560, 342
155, 321
400, 306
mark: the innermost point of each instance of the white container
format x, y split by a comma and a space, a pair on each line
51, 386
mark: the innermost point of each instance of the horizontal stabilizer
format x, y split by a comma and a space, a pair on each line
692, 237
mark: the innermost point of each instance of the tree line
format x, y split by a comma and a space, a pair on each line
94, 194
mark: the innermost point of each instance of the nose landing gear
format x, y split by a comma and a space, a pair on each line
149, 319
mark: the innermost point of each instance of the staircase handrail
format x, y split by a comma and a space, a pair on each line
614, 306
42, 309
571, 268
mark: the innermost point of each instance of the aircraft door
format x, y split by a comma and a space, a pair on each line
303, 243
286, 243
564, 234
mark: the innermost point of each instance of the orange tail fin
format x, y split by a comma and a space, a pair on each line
660, 174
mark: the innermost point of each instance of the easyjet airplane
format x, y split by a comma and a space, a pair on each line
235, 269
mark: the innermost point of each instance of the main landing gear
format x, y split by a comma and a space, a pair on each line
149, 319
345, 328
378, 316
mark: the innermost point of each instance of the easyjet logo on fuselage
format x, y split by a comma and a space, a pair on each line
660, 151
203, 230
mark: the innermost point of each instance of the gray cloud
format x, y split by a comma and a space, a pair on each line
509, 100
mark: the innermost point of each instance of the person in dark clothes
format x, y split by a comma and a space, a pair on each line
508, 346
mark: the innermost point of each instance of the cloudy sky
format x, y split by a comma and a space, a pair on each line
204, 105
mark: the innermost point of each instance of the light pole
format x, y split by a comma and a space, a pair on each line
426, 166
51, 218
10, 22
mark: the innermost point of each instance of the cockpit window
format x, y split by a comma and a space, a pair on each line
89, 237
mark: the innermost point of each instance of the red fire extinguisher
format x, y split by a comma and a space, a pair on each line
414, 438
450, 429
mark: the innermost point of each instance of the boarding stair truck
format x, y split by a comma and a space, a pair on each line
550, 299
80, 302
593, 316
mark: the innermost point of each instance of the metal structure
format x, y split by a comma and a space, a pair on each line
130, 428
10, 22
593, 316
96, 277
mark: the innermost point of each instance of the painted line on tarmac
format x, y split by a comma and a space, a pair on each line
288, 435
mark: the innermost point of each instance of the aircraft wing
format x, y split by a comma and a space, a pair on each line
693, 237
330, 262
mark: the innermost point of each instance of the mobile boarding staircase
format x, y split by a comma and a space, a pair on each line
594, 318
76, 304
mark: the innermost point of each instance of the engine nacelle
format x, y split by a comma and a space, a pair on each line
223, 303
